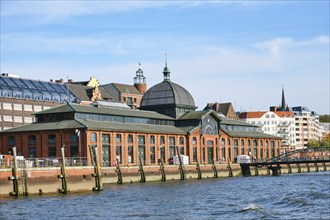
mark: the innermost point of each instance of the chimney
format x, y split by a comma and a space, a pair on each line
216, 106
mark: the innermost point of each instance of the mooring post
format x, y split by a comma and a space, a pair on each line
99, 185
181, 166
299, 169
316, 167
324, 166
143, 177
268, 171
256, 172
199, 173
162, 169
97, 169
229, 169
215, 171
289, 168
25, 191
14, 177
118, 171
63, 176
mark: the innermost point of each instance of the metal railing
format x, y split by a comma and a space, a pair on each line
44, 162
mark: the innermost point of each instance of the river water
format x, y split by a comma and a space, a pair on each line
289, 196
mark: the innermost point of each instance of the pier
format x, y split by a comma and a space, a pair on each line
318, 156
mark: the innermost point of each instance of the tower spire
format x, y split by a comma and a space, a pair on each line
283, 105
166, 70
140, 80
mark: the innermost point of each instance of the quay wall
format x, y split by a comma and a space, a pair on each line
44, 180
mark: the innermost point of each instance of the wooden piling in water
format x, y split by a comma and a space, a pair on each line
199, 173
14, 176
143, 176
162, 170
63, 176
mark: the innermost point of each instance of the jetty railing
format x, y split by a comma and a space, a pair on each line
43, 162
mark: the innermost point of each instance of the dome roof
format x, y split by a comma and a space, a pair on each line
167, 93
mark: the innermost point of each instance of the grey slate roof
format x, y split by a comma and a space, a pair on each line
228, 121
131, 127
197, 115
85, 93
97, 125
71, 107
248, 134
46, 126
167, 93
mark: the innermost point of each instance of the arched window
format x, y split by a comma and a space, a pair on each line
152, 139
162, 140
93, 137
130, 139
51, 145
194, 141
181, 141
118, 138
242, 142
223, 142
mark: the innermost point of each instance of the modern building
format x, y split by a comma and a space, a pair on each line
278, 123
20, 97
168, 122
307, 126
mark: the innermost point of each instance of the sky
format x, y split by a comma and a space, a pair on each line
242, 52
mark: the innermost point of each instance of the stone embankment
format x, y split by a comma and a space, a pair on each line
49, 180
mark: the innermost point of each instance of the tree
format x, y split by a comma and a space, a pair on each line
324, 118
313, 143
325, 142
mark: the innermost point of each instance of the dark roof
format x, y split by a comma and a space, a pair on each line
131, 127
70, 107
248, 134
219, 107
97, 125
67, 124
228, 121
167, 93
85, 93
193, 115
125, 88
197, 115
105, 94
82, 92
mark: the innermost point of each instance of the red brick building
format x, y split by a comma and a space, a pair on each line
167, 121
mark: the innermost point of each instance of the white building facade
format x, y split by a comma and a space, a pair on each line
307, 126
281, 124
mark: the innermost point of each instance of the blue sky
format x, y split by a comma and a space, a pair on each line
227, 51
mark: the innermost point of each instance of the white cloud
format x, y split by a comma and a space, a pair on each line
279, 45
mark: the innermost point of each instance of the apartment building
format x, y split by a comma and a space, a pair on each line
279, 123
307, 126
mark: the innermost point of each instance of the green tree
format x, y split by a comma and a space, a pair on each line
324, 118
325, 142
313, 143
